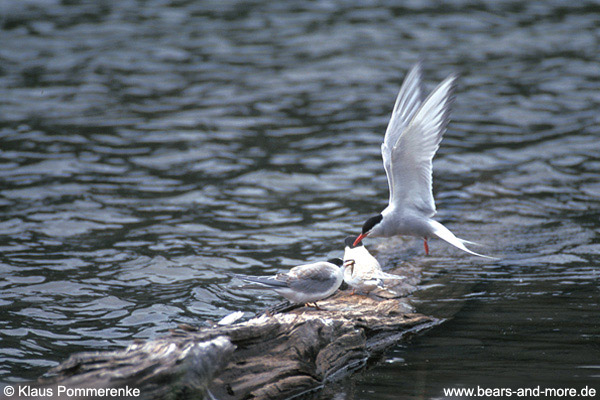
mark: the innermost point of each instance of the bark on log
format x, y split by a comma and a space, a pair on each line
267, 357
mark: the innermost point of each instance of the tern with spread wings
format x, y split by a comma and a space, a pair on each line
411, 140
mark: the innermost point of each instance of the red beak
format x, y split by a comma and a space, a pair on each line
359, 238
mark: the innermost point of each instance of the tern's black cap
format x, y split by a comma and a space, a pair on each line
337, 261
349, 242
371, 222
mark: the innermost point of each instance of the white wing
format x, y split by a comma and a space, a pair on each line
411, 156
407, 103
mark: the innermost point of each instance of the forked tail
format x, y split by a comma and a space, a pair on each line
440, 231
385, 275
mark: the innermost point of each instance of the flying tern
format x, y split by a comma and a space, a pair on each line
306, 283
365, 274
411, 140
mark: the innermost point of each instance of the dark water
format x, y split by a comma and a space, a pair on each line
149, 148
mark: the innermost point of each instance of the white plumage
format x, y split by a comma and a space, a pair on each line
411, 140
365, 274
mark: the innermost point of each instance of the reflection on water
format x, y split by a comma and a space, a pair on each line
146, 151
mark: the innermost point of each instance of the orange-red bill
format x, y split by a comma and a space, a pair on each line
359, 238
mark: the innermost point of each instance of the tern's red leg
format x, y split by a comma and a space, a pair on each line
426, 246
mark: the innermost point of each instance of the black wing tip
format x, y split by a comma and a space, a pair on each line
451, 97
453, 78
417, 70
418, 66
336, 261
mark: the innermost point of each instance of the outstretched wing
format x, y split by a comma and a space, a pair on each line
410, 162
407, 103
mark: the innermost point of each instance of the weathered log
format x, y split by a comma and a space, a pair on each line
166, 368
268, 357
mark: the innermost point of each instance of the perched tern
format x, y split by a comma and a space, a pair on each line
411, 140
305, 283
365, 274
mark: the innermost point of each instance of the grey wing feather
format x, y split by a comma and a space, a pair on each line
411, 156
407, 103
311, 278
272, 282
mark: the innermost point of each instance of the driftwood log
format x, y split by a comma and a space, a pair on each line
267, 357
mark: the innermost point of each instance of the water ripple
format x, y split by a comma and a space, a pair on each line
146, 153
